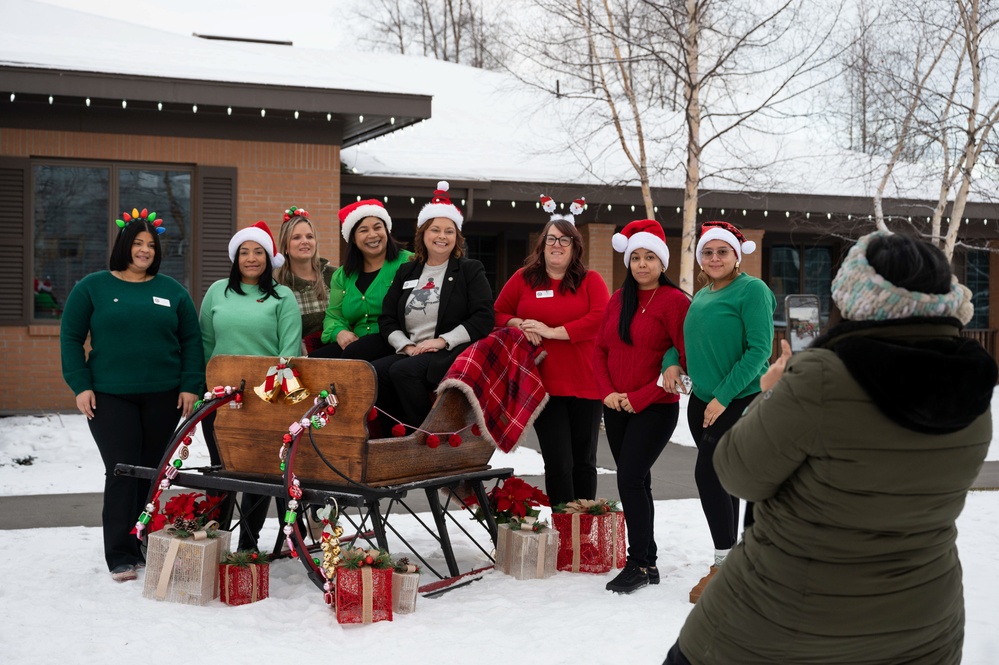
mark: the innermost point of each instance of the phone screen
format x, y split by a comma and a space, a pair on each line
803, 321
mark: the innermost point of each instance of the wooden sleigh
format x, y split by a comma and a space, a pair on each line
249, 438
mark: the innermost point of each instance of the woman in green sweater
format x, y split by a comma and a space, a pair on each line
249, 314
143, 373
305, 273
350, 329
728, 336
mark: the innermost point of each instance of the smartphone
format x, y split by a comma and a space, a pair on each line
803, 321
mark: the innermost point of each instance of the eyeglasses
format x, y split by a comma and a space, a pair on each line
564, 241
720, 253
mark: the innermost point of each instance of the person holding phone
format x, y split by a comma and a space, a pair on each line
643, 319
729, 332
559, 304
859, 471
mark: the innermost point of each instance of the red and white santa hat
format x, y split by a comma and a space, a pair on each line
576, 207
642, 234
355, 212
261, 234
440, 206
727, 232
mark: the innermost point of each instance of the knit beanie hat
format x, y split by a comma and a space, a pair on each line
576, 207
642, 234
863, 295
728, 233
259, 233
350, 215
440, 206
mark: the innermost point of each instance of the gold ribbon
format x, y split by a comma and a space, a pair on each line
613, 517
367, 614
575, 542
541, 555
410, 568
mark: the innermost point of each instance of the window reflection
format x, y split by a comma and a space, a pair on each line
168, 193
790, 275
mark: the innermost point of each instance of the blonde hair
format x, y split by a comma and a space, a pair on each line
284, 275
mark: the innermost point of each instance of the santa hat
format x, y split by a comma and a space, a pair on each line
44, 285
259, 233
728, 233
440, 206
355, 212
576, 207
642, 234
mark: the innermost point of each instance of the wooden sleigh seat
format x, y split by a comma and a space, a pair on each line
249, 438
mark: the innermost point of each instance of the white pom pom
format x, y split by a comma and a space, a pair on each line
443, 185
748, 247
619, 242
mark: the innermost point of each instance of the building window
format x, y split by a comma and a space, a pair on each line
795, 270
73, 229
977, 279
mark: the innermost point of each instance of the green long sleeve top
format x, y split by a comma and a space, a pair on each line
250, 325
144, 337
349, 309
729, 336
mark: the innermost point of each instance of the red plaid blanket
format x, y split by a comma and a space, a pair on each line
500, 378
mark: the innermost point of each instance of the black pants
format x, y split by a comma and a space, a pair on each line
721, 509
403, 389
675, 656
369, 347
636, 441
567, 431
129, 429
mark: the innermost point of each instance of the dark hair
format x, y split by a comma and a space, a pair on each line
420, 247
266, 282
910, 263
354, 263
121, 253
535, 269
629, 302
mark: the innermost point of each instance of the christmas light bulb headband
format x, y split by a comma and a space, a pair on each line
144, 216
294, 211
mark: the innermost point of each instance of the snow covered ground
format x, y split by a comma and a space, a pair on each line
58, 604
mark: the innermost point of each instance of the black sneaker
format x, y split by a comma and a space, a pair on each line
653, 574
632, 578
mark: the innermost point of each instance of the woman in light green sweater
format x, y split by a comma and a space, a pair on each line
143, 372
249, 314
350, 329
728, 335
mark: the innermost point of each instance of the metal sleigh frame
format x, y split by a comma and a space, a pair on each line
366, 500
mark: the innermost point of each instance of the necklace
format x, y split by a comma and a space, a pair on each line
121, 274
650, 300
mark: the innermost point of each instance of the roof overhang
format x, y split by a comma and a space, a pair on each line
117, 103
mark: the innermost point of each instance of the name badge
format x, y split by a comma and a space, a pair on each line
161, 301
544, 294
410, 283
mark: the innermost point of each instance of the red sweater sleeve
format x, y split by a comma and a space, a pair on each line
596, 293
509, 297
608, 327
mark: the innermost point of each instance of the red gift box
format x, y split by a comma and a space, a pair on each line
239, 585
363, 595
590, 543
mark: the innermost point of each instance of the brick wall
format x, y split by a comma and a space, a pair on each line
600, 255
272, 176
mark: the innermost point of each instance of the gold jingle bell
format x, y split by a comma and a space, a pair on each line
268, 395
295, 392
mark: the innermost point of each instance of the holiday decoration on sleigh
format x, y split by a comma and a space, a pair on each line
282, 377
184, 548
525, 547
405, 586
364, 587
244, 577
591, 536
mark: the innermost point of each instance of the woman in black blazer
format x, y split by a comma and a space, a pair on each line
438, 304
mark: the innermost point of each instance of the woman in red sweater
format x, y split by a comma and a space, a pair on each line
558, 303
643, 320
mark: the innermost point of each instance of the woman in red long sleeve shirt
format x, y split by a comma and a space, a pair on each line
558, 303
643, 320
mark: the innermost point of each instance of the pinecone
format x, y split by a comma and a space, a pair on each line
185, 525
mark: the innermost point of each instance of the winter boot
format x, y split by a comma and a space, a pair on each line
632, 578
695, 593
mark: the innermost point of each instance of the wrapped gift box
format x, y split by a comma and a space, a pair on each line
183, 570
526, 554
405, 589
590, 543
363, 595
239, 585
